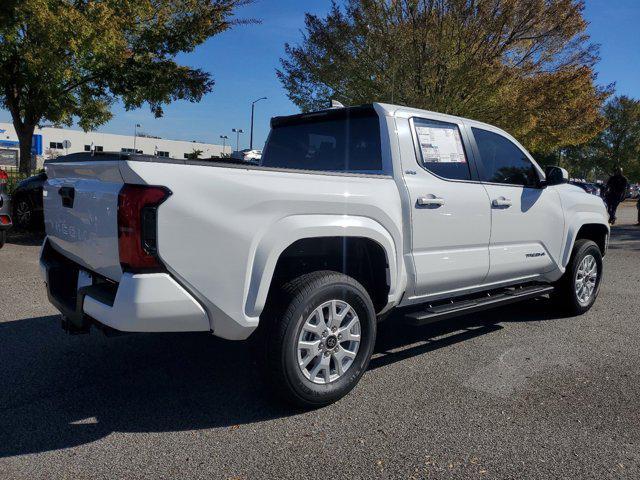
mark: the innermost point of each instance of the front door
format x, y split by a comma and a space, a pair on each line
450, 213
527, 220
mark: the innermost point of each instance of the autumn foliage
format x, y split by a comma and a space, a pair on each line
524, 65
65, 61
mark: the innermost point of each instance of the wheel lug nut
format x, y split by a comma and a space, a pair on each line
333, 329
339, 336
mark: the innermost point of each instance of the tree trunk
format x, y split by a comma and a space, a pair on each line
25, 137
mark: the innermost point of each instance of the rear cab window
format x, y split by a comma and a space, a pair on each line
441, 149
342, 140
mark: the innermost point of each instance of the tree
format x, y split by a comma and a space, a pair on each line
69, 60
618, 145
195, 154
524, 65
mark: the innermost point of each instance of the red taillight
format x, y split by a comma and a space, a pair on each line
137, 229
4, 178
5, 220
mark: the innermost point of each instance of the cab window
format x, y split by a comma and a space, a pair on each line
441, 150
503, 161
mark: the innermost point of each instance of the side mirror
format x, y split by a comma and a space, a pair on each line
556, 176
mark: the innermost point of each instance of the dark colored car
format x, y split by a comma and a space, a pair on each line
27, 203
591, 188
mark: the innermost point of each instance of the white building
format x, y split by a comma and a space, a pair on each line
50, 142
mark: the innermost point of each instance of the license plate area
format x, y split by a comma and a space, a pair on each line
67, 286
62, 280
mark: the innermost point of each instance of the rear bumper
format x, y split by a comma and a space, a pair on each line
152, 302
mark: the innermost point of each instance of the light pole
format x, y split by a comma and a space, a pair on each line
135, 136
224, 142
253, 108
237, 131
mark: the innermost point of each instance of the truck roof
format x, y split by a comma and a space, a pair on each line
385, 109
393, 110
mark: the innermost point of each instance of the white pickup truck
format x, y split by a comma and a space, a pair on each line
351, 213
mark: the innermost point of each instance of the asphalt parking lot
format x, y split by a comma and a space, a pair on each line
517, 393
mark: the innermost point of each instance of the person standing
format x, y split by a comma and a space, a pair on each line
616, 192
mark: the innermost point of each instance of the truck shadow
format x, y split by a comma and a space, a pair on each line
625, 237
17, 236
397, 344
58, 391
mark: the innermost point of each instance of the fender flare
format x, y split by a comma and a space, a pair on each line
579, 220
288, 230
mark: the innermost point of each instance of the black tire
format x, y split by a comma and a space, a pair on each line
3, 238
298, 300
565, 295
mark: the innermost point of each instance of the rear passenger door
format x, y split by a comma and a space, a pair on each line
449, 207
527, 220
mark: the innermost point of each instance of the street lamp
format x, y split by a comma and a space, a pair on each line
135, 136
253, 108
237, 131
224, 142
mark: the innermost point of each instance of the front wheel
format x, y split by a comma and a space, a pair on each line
577, 290
320, 343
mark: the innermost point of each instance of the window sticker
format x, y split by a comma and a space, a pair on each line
441, 144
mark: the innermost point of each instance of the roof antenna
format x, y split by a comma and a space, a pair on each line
336, 104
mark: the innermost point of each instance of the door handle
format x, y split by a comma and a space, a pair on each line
430, 201
501, 202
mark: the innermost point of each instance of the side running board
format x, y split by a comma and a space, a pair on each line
484, 301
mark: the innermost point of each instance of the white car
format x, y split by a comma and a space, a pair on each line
249, 156
352, 213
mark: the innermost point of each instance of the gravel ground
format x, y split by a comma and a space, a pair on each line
515, 393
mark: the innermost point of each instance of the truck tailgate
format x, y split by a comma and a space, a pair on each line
81, 213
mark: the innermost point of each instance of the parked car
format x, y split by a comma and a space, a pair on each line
352, 213
591, 188
249, 156
5, 208
27, 203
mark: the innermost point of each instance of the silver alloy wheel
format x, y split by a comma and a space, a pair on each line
23, 213
329, 342
586, 279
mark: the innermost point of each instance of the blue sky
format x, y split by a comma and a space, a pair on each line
243, 63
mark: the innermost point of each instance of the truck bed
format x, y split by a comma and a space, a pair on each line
222, 228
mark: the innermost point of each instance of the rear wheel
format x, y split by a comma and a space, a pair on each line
577, 290
321, 341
